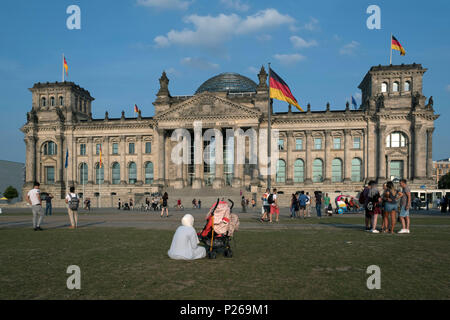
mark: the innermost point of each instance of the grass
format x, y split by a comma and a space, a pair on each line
312, 263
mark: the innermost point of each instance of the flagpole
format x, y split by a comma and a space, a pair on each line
63, 67
269, 137
390, 46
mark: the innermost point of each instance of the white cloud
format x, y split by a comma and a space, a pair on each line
235, 4
300, 43
312, 25
289, 59
213, 31
264, 37
253, 70
199, 63
164, 4
349, 48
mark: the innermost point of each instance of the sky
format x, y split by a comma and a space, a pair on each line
321, 48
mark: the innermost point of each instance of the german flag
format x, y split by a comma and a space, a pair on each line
280, 90
136, 109
100, 164
66, 67
397, 46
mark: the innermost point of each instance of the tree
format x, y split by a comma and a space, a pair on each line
10, 193
444, 182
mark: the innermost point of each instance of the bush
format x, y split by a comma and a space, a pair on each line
10, 193
444, 182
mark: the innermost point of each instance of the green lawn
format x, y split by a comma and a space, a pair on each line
311, 263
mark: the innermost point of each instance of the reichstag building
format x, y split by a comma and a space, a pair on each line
388, 137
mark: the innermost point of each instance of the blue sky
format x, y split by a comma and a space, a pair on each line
321, 48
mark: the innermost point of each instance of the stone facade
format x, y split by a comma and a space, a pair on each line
388, 136
440, 169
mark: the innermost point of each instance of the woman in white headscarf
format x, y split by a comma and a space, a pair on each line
185, 242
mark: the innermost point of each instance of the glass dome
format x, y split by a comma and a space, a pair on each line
228, 82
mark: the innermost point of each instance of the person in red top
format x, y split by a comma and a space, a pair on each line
274, 208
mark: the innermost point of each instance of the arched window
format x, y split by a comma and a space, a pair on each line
83, 173
52, 101
132, 173
115, 176
99, 173
407, 86
336, 170
281, 171
49, 148
149, 173
356, 169
395, 86
396, 140
384, 87
317, 170
44, 102
61, 101
299, 170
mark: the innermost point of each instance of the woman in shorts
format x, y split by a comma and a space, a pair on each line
390, 198
164, 206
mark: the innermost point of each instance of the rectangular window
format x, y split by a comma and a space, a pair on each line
357, 143
318, 143
97, 148
82, 149
337, 143
148, 147
280, 144
131, 148
298, 144
50, 175
115, 148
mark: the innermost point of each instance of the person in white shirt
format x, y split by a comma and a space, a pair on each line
73, 202
308, 205
34, 199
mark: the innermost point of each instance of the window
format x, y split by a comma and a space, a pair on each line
83, 173
49, 148
298, 144
336, 170
336, 143
299, 170
50, 175
149, 173
84, 106
396, 169
132, 173
52, 101
356, 142
99, 173
396, 140
82, 149
98, 147
44, 102
131, 148
61, 101
395, 86
356, 169
317, 170
317, 143
384, 87
281, 171
115, 148
280, 144
148, 147
407, 86
115, 173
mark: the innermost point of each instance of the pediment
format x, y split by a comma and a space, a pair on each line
207, 105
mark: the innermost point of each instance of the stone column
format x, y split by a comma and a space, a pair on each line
381, 153
237, 180
430, 153
419, 153
347, 160
161, 157
308, 162
219, 178
91, 170
180, 181
289, 158
123, 167
61, 153
30, 165
326, 160
198, 160
139, 165
105, 160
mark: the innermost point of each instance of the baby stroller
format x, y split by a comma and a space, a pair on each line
219, 229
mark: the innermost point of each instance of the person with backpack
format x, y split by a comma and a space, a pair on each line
294, 206
274, 208
164, 205
302, 200
373, 206
72, 202
308, 205
363, 201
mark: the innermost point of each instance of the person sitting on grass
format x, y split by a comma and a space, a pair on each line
185, 242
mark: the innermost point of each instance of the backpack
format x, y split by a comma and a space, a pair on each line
74, 202
372, 204
270, 199
362, 196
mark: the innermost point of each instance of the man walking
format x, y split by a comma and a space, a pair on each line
73, 202
274, 208
302, 199
34, 199
266, 205
405, 205
308, 205
318, 195
48, 204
